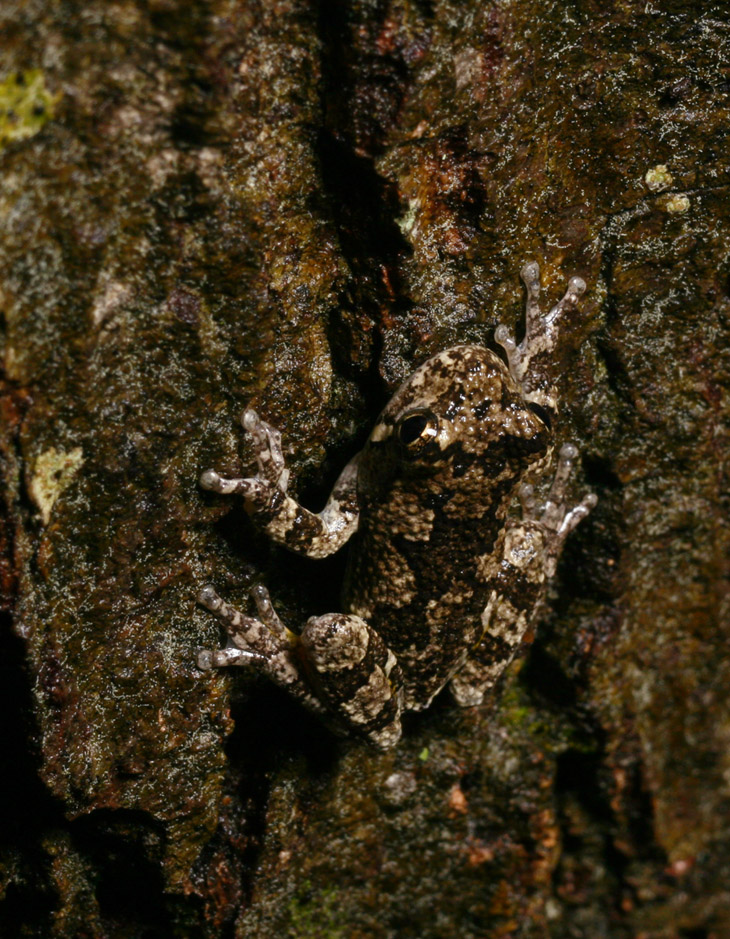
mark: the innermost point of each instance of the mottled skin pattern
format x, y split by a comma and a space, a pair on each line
442, 582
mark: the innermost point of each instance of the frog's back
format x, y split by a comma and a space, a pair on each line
434, 484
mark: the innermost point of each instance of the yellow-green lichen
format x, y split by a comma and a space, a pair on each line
53, 473
658, 178
25, 105
677, 204
408, 219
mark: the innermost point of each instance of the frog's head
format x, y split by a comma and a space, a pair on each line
462, 412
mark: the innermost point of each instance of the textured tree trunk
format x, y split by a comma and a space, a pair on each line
210, 204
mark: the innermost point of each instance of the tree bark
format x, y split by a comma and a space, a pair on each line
208, 205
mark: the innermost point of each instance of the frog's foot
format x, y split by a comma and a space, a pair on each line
269, 484
556, 518
529, 362
354, 673
264, 643
479, 674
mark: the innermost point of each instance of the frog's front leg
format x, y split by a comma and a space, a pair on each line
518, 585
338, 666
314, 534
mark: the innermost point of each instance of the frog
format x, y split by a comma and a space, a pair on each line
450, 552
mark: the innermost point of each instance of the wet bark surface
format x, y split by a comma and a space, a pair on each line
213, 204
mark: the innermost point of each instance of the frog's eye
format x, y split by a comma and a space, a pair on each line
542, 413
417, 428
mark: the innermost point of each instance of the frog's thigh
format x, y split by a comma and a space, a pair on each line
506, 626
356, 674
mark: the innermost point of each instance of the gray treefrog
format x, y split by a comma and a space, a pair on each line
443, 580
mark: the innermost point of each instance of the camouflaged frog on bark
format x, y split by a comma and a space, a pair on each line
442, 581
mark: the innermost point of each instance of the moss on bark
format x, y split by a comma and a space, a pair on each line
291, 204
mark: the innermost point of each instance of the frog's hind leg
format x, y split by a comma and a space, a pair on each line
530, 551
356, 675
339, 666
264, 644
507, 624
